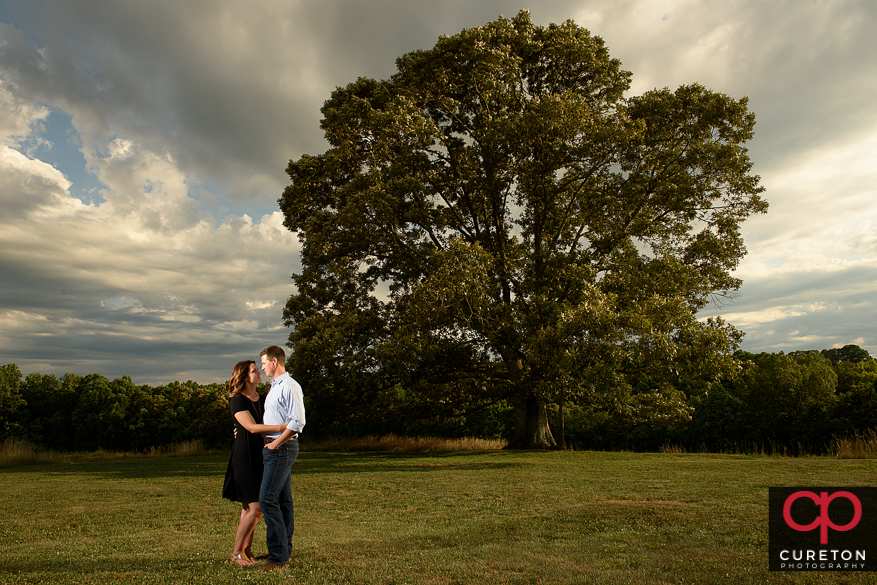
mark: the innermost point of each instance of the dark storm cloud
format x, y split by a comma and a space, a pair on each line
188, 112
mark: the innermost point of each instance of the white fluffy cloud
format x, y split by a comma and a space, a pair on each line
812, 263
146, 275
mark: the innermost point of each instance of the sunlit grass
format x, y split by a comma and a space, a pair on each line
16, 452
859, 446
485, 517
395, 444
184, 449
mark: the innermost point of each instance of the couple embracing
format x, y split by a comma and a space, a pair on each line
266, 445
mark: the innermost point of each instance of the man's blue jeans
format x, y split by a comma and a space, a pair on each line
275, 498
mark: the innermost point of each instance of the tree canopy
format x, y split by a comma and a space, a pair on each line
498, 221
798, 403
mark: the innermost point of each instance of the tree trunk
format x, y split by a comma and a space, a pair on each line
562, 423
531, 419
531, 425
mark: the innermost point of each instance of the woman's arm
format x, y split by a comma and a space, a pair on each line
246, 420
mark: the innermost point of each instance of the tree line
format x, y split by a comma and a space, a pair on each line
86, 413
794, 402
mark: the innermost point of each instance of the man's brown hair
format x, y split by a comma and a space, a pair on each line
274, 352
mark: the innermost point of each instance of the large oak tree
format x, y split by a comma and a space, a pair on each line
498, 221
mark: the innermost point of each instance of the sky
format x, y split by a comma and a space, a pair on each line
143, 147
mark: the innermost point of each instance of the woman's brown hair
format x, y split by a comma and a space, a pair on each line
238, 376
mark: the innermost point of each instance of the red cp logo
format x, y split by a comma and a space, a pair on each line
823, 521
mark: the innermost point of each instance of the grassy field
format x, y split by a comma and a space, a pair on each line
420, 518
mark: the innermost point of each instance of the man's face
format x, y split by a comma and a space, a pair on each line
269, 366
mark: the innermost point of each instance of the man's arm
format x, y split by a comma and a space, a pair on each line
286, 435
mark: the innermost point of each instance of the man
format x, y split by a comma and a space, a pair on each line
283, 405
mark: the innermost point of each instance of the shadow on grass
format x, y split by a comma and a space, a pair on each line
132, 468
309, 462
385, 462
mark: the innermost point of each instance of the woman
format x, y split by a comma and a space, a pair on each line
243, 478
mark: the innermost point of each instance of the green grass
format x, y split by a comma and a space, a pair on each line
16, 452
440, 518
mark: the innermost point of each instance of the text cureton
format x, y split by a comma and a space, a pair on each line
822, 555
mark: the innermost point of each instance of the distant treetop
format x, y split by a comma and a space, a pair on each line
847, 353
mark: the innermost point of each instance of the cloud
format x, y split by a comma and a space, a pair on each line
807, 67
183, 116
814, 255
146, 272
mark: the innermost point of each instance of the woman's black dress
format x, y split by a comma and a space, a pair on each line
243, 478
